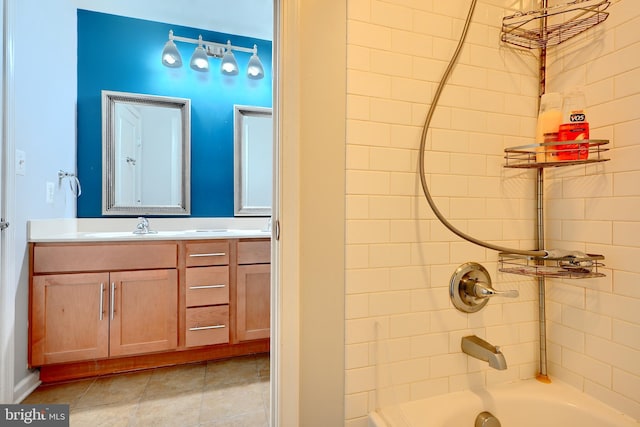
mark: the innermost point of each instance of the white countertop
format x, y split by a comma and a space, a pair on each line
121, 229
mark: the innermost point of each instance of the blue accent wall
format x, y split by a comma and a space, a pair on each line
123, 54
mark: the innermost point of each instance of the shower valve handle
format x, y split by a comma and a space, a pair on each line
478, 289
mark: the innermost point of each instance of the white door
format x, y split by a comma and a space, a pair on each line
128, 161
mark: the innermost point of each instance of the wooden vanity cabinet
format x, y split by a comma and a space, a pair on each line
102, 308
253, 289
78, 315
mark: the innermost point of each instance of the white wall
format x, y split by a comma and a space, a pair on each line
402, 333
44, 87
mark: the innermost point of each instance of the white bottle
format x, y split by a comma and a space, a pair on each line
549, 120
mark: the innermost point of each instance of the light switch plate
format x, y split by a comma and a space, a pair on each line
21, 162
50, 192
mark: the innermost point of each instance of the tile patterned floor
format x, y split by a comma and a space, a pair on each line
224, 393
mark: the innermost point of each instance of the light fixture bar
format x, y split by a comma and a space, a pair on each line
213, 44
171, 56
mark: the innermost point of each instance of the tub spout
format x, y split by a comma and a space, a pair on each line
480, 349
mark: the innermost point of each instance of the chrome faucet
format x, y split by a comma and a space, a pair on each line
143, 226
480, 349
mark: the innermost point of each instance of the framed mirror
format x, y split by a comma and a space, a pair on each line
253, 157
146, 159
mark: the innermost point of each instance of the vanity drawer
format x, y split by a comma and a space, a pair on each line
207, 253
207, 286
207, 325
59, 258
254, 251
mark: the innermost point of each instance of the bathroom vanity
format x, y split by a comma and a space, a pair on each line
102, 303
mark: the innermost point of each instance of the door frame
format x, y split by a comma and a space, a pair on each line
7, 209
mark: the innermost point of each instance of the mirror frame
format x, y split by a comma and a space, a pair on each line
109, 100
239, 148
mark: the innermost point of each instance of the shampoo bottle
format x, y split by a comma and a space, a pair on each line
549, 120
574, 127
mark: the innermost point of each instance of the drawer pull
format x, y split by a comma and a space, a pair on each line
207, 287
209, 254
204, 328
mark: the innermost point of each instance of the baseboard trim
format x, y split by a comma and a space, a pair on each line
25, 387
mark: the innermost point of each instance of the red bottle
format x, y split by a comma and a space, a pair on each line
574, 127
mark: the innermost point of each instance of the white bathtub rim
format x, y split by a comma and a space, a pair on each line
559, 393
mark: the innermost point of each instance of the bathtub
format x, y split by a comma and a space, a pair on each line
527, 403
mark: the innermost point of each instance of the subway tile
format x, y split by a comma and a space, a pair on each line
390, 351
626, 283
410, 371
567, 337
626, 233
368, 84
613, 399
410, 90
593, 369
617, 306
357, 157
367, 182
369, 35
429, 253
359, 10
587, 321
360, 380
357, 355
365, 330
366, 280
626, 34
403, 184
520, 311
396, 255
356, 405
448, 364
405, 136
358, 58
466, 381
357, 306
410, 43
623, 159
391, 63
614, 354
429, 388
356, 257
410, 231
387, 303
626, 384
391, 15
626, 184
358, 107
447, 320
368, 133
409, 277
429, 299
433, 25
626, 134
429, 345
391, 159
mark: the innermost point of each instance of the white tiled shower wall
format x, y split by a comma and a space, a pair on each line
402, 333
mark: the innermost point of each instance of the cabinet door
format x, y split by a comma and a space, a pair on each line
69, 319
253, 300
143, 311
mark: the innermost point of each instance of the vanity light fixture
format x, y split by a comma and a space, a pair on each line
200, 61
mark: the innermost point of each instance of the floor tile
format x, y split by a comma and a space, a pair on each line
115, 389
175, 380
63, 393
224, 393
113, 415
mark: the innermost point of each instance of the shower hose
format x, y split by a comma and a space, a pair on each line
423, 139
